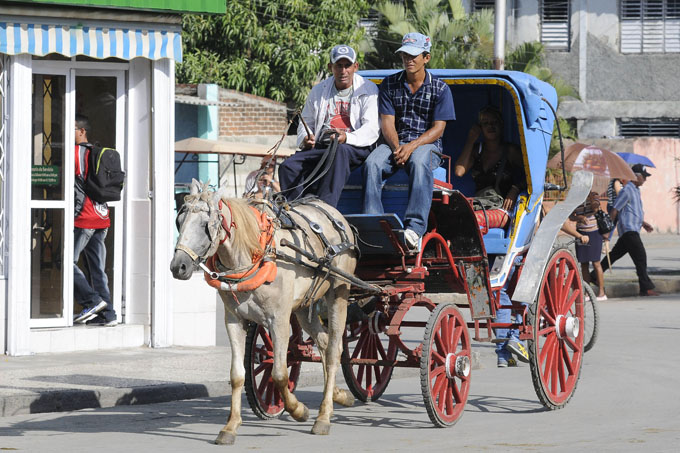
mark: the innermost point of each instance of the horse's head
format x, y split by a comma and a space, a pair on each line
198, 222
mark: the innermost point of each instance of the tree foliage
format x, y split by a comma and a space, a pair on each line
271, 48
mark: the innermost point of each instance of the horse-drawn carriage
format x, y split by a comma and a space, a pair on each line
458, 254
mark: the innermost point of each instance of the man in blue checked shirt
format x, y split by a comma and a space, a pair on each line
414, 107
631, 218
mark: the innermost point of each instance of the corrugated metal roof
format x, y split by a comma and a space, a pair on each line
194, 100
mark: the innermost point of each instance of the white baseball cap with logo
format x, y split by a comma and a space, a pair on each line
343, 51
414, 44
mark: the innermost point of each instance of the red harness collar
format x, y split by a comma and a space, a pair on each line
262, 270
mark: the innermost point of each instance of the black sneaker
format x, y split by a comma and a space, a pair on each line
101, 321
89, 313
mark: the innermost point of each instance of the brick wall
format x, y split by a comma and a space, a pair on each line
250, 115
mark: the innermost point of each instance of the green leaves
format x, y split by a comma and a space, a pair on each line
271, 48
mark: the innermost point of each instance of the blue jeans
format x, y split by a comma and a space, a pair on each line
380, 165
504, 315
329, 187
90, 243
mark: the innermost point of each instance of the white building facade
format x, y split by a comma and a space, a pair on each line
621, 56
116, 66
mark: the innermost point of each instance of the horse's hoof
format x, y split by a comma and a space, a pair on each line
225, 438
301, 414
321, 428
344, 398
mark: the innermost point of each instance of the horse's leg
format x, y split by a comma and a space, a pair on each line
279, 330
236, 329
320, 336
337, 315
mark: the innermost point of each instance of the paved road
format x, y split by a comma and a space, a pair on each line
627, 400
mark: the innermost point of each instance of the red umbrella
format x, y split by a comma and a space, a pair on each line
602, 163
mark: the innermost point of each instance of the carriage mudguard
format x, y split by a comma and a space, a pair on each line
541, 245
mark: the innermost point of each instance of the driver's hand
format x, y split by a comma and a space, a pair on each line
308, 142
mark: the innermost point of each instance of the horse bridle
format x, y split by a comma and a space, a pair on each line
216, 224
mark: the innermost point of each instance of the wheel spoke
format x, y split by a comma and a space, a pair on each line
358, 349
360, 373
546, 355
571, 343
567, 359
448, 397
266, 340
438, 344
456, 391
550, 301
265, 380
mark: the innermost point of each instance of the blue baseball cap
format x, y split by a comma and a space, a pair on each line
343, 51
415, 44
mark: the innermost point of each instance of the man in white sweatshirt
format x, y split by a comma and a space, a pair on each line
344, 106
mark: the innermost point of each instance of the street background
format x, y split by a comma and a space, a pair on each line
626, 400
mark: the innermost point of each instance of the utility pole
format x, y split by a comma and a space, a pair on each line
499, 36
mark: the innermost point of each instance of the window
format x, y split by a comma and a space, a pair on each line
650, 26
555, 28
644, 127
478, 5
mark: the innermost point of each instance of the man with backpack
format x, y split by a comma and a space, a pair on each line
90, 227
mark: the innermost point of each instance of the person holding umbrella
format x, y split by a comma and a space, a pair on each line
630, 215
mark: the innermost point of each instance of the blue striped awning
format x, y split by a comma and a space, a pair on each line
92, 41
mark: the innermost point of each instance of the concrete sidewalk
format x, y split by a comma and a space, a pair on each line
70, 381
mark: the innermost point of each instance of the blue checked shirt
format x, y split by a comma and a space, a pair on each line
415, 113
629, 205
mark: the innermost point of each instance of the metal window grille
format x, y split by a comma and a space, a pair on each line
478, 5
4, 71
650, 26
662, 127
555, 24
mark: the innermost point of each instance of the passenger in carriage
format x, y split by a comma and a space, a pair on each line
414, 107
262, 180
495, 166
344, 106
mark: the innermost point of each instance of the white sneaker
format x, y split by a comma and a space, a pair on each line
411, 238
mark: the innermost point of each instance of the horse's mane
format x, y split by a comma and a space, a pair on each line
247, 230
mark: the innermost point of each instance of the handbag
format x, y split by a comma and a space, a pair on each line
604, 222
488, 198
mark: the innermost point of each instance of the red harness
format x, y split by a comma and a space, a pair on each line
262, 269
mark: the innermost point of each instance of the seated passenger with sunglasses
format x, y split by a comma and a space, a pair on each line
495, 167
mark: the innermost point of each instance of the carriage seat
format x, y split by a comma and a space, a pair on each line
394, 194
394, 199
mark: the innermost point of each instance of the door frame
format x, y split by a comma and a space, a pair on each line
66, 204
73, 69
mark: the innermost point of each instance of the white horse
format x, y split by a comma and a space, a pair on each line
211, 224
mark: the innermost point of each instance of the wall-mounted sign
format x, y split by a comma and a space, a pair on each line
45, 175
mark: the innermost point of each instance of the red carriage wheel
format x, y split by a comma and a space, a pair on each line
556, 350
364, 340
445, 365
263, 397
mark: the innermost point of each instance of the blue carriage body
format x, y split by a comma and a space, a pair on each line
528, 123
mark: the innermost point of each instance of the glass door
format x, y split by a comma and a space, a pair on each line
51, 177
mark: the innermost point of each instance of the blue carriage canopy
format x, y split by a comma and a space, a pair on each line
522, 100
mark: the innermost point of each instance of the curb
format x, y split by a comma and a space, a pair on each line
63, 400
